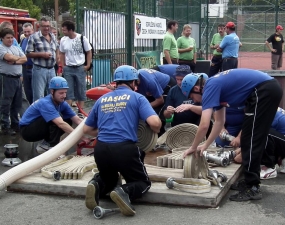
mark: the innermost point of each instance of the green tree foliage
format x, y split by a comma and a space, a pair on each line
23, 4
47, 6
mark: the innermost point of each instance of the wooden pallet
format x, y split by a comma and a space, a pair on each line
158, 193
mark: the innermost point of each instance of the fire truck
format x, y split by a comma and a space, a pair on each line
15, 16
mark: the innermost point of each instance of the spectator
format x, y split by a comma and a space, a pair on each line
28, 66
11, 59
116, 150
230, 47
277, 48
72, 58
9, 25
187, 48
42, 48
217, 61
170, 50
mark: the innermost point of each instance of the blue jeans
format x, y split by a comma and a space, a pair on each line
10, 101
27, 81
76, 79
40, 81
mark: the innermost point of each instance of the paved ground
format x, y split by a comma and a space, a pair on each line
26, 209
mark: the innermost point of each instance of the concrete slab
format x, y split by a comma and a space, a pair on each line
159, 193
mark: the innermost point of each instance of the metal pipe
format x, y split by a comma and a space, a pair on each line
100, 212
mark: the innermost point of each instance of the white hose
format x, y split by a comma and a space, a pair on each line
33, 164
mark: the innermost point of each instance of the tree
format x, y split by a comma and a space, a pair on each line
47, 6
23, 4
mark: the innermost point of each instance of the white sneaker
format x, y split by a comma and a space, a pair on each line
267, 173
43, 146
282, 167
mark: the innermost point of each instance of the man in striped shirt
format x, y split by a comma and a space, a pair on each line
42, 48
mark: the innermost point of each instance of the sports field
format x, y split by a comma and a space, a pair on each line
256, 60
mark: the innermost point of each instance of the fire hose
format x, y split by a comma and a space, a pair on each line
69, 167
33, 164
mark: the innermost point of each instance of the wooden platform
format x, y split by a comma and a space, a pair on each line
159, 193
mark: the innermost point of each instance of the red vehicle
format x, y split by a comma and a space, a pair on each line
15, 16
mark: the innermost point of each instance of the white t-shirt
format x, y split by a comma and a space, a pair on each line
72, 48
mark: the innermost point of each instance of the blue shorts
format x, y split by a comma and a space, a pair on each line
76, 79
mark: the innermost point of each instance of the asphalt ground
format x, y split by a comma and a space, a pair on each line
31, 208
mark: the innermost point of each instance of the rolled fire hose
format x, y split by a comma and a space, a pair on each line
69, 167
33, 164
179, 136
146, 137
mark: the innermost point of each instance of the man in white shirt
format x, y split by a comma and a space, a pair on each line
72, 58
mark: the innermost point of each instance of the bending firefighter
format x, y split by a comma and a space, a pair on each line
50, 117
114, 120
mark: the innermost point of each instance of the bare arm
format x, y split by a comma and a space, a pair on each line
167, 56
90, 131
15, 59
57, 56
168, 112
181, 50
157, 102
202, 131
89, 59
194, 108
62, 58
268, 46
76, 120
195, 57
154, 123
62, 125
44, 55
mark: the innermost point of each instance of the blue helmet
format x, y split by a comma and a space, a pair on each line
189, 82
125, 73
58, 83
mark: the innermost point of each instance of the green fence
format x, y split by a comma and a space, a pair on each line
111, 25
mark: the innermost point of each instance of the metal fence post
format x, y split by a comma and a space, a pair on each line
276, 12
129, 32
77, 15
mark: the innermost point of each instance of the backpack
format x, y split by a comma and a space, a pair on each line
85, 53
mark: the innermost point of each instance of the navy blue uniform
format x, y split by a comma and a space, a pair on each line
175, 98
116, 115
260, 94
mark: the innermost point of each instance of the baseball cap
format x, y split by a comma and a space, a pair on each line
182, 70
230, 25
279, 27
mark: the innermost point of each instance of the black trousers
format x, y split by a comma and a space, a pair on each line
189, 63
260, 109
40, 129
229, 63
10, 101
216, 65
174, 61
275, 149
124, 158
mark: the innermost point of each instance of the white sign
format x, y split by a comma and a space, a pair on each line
215, 10
149, 27
105, 30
